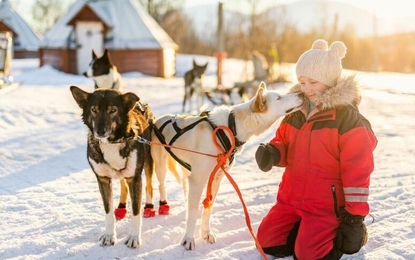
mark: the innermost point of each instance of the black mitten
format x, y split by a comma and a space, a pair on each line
267, 156
352, 233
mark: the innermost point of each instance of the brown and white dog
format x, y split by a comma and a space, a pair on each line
195, 133
115, 121
105, 75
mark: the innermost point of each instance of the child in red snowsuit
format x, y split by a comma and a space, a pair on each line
327, 151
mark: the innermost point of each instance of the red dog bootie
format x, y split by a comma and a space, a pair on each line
149, 211
164, 208
120, 212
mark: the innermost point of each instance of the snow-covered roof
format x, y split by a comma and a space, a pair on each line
27, 38
130, 27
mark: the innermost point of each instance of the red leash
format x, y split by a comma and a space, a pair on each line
222, 159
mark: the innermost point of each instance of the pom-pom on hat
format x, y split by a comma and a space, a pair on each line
322, 63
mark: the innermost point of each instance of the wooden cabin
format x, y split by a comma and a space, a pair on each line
25, 40
134, 39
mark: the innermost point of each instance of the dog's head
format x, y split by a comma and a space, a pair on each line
199, 70
99, 65
269, 106
106, 112
271, 102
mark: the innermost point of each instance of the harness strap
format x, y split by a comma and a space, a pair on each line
179, 132
163, 141
224, 141
220, 133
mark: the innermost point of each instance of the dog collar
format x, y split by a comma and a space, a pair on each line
232, 126
124, 139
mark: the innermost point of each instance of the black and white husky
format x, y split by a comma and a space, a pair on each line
104, 72
115, 121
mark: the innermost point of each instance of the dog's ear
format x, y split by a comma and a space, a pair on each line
260, 103
81, 97
94, 55
194, 63
107, 56
129, 100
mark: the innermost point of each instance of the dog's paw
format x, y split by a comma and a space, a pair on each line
209, 236
107, 240
188, 243
132, 241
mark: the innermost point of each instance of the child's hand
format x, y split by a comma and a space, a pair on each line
267, 156
352, 233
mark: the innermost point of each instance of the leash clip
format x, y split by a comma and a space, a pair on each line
143, 140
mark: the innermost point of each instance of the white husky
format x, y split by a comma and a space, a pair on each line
195, 133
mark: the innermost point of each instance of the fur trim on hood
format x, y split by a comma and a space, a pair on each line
345, 93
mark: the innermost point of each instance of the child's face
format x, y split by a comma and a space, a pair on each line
311, 88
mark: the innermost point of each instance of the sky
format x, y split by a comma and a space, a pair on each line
50, 207
387, 8
383, 8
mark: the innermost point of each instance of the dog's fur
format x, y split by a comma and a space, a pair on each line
104, 72
114, 121
193, 85
251, 118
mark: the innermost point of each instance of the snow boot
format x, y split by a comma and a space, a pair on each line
120, 212
164, 208
149, 211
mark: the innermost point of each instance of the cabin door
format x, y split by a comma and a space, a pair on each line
89, 35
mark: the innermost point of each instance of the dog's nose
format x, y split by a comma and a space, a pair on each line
101, 131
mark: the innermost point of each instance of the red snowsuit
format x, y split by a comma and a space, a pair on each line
328, 160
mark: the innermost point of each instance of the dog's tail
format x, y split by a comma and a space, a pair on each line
171, 163
172, 167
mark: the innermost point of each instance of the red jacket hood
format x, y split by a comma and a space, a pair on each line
345, 93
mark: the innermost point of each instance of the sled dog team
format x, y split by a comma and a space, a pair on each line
324, 143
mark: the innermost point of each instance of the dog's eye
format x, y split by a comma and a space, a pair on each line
93, 109
279, 97
113, 110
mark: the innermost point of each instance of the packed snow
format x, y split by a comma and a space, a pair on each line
50, 206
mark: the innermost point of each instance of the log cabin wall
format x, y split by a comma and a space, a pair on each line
144, 61
60, 59
23, 54
148, 62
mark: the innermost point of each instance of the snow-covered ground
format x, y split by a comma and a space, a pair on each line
50, 206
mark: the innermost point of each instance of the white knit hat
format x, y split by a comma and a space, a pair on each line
322, 64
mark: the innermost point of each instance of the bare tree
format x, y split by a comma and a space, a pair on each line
45, 13
158, 8
178, 26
